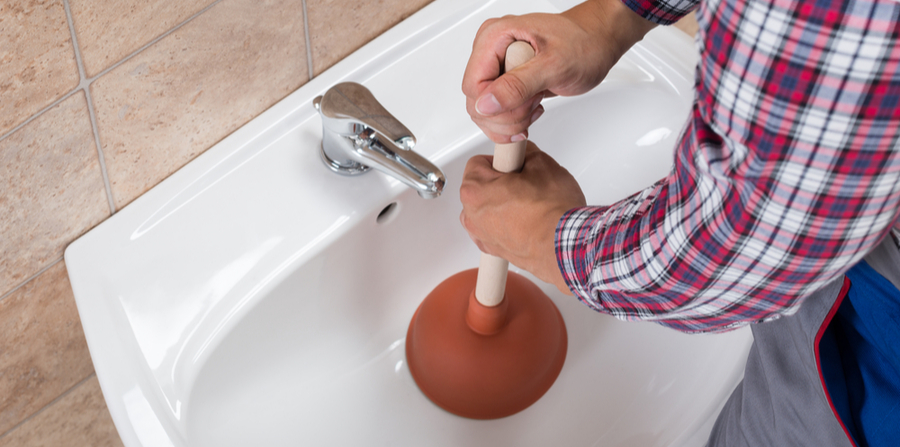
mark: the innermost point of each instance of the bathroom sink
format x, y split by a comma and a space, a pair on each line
257, 298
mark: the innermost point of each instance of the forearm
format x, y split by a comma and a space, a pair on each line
612, 23
716, 245
781, 182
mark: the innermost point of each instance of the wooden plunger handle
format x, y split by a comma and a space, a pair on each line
491, 283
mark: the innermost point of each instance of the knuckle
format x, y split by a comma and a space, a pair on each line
467, 88
487, 24
515, 86
515, 129
522, 115
465, 194
494, 135
470, 167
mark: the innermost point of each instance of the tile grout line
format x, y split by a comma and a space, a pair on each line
309, 58
57, 399
31, 278
106, 183
153, 42
84, 85
39, 113
87, 81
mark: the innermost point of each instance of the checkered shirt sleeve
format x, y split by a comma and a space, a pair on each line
787, 174
663, 12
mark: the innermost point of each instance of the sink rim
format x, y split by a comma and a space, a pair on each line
117, 360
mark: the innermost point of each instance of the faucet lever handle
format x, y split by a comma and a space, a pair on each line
353, 102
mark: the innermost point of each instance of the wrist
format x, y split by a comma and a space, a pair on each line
614, 24
557, 277
543, 253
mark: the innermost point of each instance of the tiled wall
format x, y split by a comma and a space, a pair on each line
99, 101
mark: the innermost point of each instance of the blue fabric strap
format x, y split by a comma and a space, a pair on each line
860, 355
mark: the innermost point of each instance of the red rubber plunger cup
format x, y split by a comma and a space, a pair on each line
487, 343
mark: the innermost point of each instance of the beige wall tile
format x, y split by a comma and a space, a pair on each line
338, 27
52, 189
688, 24
174, 100
43, 352
79, 419
109, 30
37, 60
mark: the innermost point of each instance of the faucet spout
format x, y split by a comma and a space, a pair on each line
359, 134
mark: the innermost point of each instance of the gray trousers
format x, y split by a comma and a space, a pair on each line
781, 401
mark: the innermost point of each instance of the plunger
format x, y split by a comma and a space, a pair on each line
487, 343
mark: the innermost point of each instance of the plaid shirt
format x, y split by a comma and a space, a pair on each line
786, 175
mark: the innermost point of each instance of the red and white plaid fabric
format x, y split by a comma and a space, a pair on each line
788, 172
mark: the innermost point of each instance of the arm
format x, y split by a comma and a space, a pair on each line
787, 175
573, 53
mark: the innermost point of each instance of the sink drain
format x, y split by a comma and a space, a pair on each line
388, 213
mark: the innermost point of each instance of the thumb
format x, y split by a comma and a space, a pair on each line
531, 148
511, 90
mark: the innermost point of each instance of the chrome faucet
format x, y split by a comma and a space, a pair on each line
359, 134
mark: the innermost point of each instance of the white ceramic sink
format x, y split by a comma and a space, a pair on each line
256, 298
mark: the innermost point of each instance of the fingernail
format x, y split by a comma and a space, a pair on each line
537, 102
487, 105
537, 114
517, 137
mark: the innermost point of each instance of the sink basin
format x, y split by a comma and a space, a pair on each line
257, 298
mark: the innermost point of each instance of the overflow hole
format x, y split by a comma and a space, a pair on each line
387, 214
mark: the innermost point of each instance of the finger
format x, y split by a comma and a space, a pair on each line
520, 114
507, 130
536, 113
482, 79
501, 133
478, 166
481, 247
486, 61
478, 172
463, 220
531, 148
512, 89
505, 139
539, 162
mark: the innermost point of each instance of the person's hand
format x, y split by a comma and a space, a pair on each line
514, 215
573, 53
